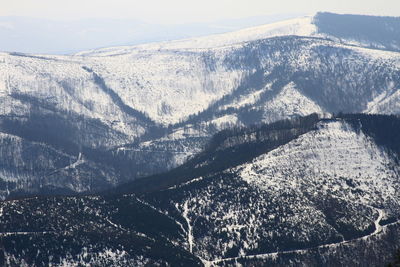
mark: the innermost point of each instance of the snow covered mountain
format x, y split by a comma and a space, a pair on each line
153, 106
61, 36
365, 31
306, 191
313, 192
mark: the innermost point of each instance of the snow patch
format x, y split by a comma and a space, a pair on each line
335, 153
290, 102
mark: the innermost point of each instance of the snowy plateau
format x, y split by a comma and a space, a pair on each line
206, 151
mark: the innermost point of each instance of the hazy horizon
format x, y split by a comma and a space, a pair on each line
48, 36
64, 27
179, 11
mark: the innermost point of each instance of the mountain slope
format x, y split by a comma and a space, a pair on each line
89, 231
315, 192
33, 167
332, 188
151, 81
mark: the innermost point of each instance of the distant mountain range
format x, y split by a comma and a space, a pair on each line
57, 36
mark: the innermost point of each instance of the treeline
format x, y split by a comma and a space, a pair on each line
259, 133
384, 31
74, 134
235, 146
141, 116
384, 129
227, 149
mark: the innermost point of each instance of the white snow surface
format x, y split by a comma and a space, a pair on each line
290, 101
388, 102
302, 26
168, 81
166, 85
335, 153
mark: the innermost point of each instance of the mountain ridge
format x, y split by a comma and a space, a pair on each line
225, 217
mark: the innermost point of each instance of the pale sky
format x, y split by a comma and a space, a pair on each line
185, 11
